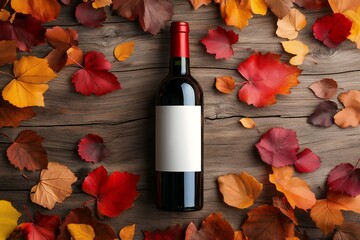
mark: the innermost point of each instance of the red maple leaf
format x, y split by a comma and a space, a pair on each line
153, 14
278, 147
332, 29
11, 116
92, 148
95, 77
219, 41
266, 77
89, 16
307, 161
114, 193
171, 233
27, 152
25, 29
345, 178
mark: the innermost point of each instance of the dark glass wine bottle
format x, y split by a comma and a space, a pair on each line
179, 131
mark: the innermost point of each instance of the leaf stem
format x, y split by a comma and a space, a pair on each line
28, 213
7, 136
240, 83
6, 73
89, 201
79, 65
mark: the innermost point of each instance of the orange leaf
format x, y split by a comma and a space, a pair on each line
225, 84
283, 205
289, 26
256, 6
4, 15
296, 191
235, 13
239, 235
8, 51
45, 10
350, 115
100, 3
124, 51
280, 7
247, 122
344, 5
127, 233
239, 190
198, 3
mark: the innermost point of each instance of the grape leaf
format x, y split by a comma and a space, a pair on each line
28, 152
152, 14
332, 29
280, 7
8, 52
267, 222
9, 217
323, 116
198, 3
81, 231
350, 115
92, 148
225, 84
54, 185
173, 233
84, 216
239, 190
219, 42
298, 48
45, 10
266, 77
25, 29
312, 4
278, 147
30, 77
348, 231
345, 178
127, 232
354, 16
296, 191
307, 161
89, 16
289, 26
235, 13
114, 193
11, 116
95, 76
213, 226
124, 50
325, 88
343, 5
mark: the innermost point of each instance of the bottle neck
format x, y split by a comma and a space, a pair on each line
179, 66
179, 49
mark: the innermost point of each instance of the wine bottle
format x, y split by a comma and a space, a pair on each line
179, 131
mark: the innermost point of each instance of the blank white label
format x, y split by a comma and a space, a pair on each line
178, 138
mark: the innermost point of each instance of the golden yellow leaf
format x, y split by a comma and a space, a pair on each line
297, 48
127, 233
247, 122
344, 5
54, 185
29, 84
124, 51
239, 190
81, 231
235, 13
289, 26
8, 219
296, 191
256, 6
4, 15
354, 16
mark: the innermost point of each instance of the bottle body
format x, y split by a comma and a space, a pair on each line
179, 134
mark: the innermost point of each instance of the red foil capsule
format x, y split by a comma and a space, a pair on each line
179, 39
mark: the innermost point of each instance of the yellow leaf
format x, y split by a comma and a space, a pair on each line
256, 6
289, 26
296, 191
344, 5
8, 219
101, 3
81, 231
239, 190
54, 185
198, 3
235, 13
247, 122
124, 50
127, 233
4, 15
29, 84
354, 16
298, 48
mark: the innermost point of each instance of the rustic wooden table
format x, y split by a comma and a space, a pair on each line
125, 118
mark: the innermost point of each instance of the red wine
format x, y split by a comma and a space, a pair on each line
179, 131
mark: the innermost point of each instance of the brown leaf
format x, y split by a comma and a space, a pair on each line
284, 206
7, 51
280, 7
348, 231
11, 116
350, 115
325, 88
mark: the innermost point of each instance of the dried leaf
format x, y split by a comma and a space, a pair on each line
225, 84
325, 88
345, 178
81, 231
11, 116
247, 122
298, 48
8, 52
284, 206
89, 16
124, 50
45, 10
280, 7
350, 115
348, 231
9, 217
92, 149
323, 116
291, 24
127, 233
307, 161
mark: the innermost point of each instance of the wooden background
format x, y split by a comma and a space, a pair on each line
125, 118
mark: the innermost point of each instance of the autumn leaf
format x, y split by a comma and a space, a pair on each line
100, 3
325, 88
89, 16
307, 161
45, 10
152, 14
26, 30
127, 232
43, 227
247, 122
345, 178
81, 231
297, 48
30, 77
239, 235
348, 231
332, 29
235, 13
354, 16
84, 216
9, 217
266, 77
95, 77
323, 115
280, 7
343, 5
8, 52
225, 84
173, 233
219, 42
278, 147
256, 6
92, 149
284, 206
213, 226
124, 50
311, 4
198, 3
296, 191
4, 14
267, 222
350, 115
11, 116
114, 193
54, 185
289, 26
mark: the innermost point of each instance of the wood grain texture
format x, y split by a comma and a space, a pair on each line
125, 118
